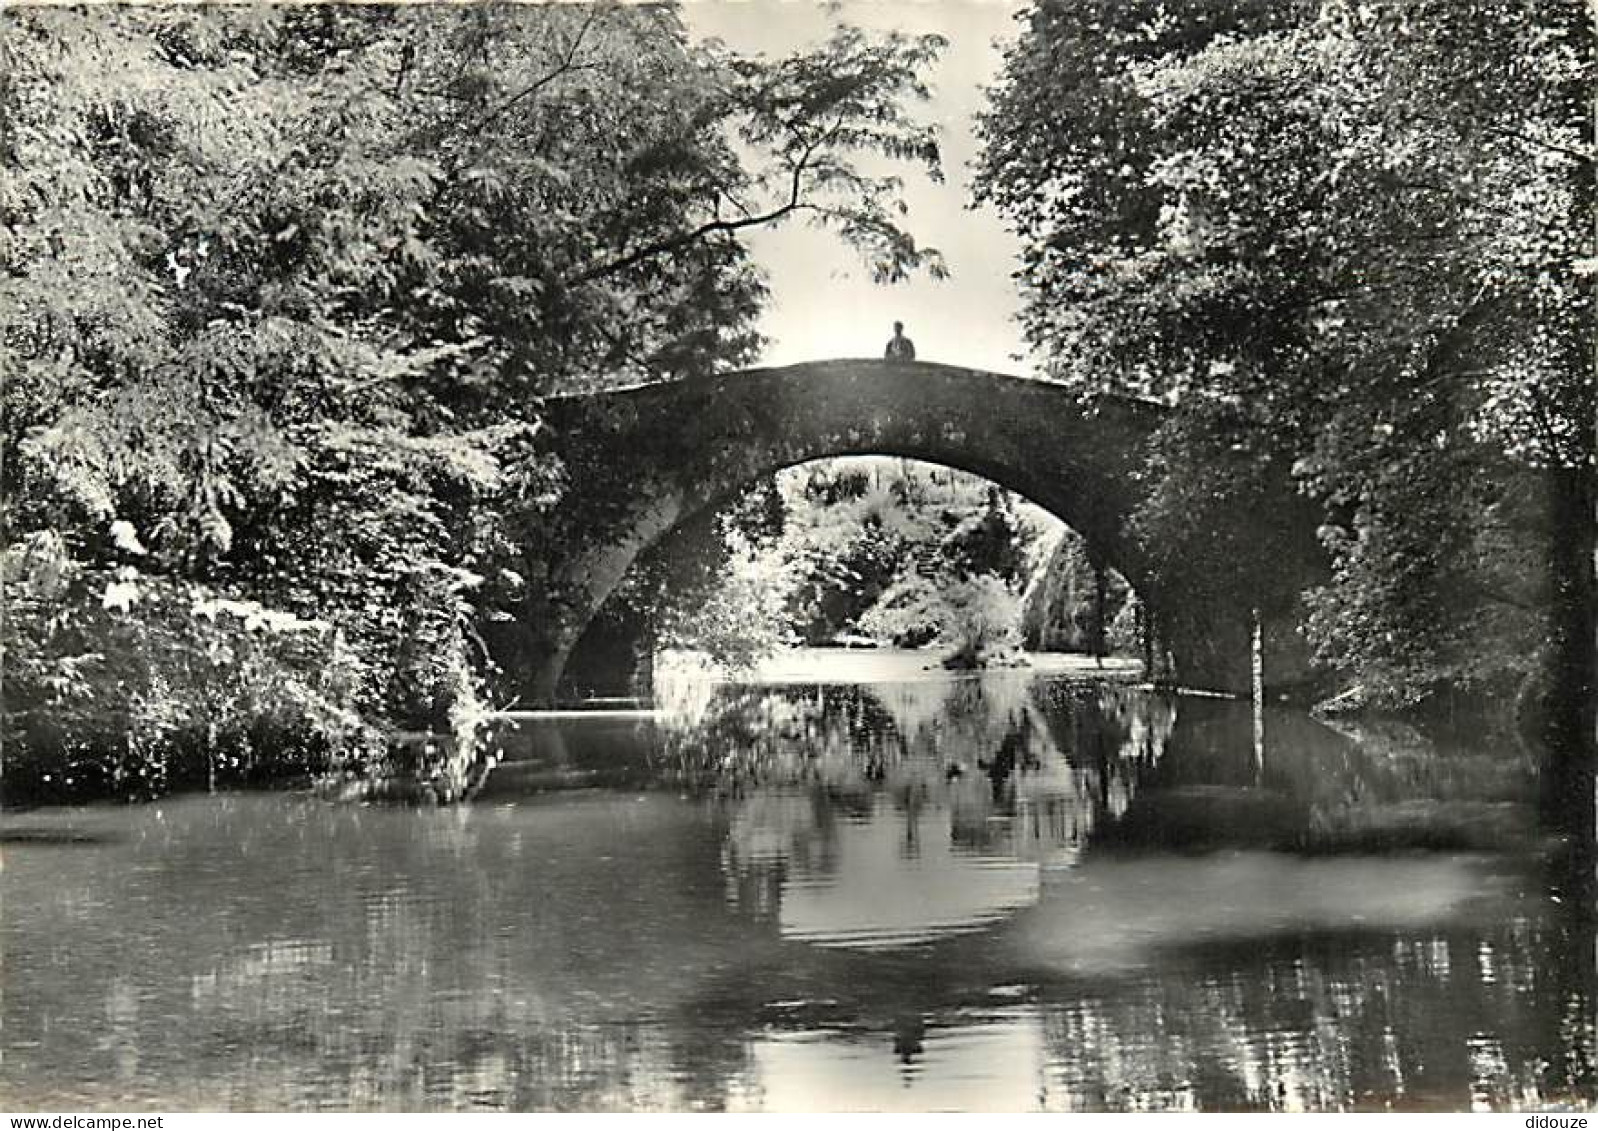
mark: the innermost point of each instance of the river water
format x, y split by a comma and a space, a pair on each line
1017, 891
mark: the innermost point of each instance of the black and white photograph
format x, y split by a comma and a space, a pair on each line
789, 556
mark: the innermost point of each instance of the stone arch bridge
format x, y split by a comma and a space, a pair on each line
640, 462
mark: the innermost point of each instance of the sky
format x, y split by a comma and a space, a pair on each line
823, 303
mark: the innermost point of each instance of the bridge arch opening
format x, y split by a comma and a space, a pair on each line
641, 462
878, 550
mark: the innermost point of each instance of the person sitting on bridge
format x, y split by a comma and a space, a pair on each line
900, 348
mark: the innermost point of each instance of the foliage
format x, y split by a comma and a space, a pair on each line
886, 548
986, 620
971, 618
1351, 239
130, 684
1062, 609
281, 287
705, 589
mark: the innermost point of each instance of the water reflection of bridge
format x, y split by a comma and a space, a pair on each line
896, 813
876, 815
604, 948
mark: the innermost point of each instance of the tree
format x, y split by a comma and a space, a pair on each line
1347, 228
281, 288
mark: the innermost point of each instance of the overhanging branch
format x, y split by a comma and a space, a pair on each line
670, 244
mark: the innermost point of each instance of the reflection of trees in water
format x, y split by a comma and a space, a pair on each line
1020, 766
1444, 1020
1429, 1019
580, 954
628, 979
902, 812
1364, 780
1497, 1011
1343, 778
751, 735
1330, 787
854, 735
461, 959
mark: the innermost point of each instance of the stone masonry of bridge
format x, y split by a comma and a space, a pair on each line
640, 462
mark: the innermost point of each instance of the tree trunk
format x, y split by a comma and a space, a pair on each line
1257, 688
1145, 632
1570, 711
1572, 772
1101, 587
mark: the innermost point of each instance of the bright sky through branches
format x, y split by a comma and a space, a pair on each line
823, 301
